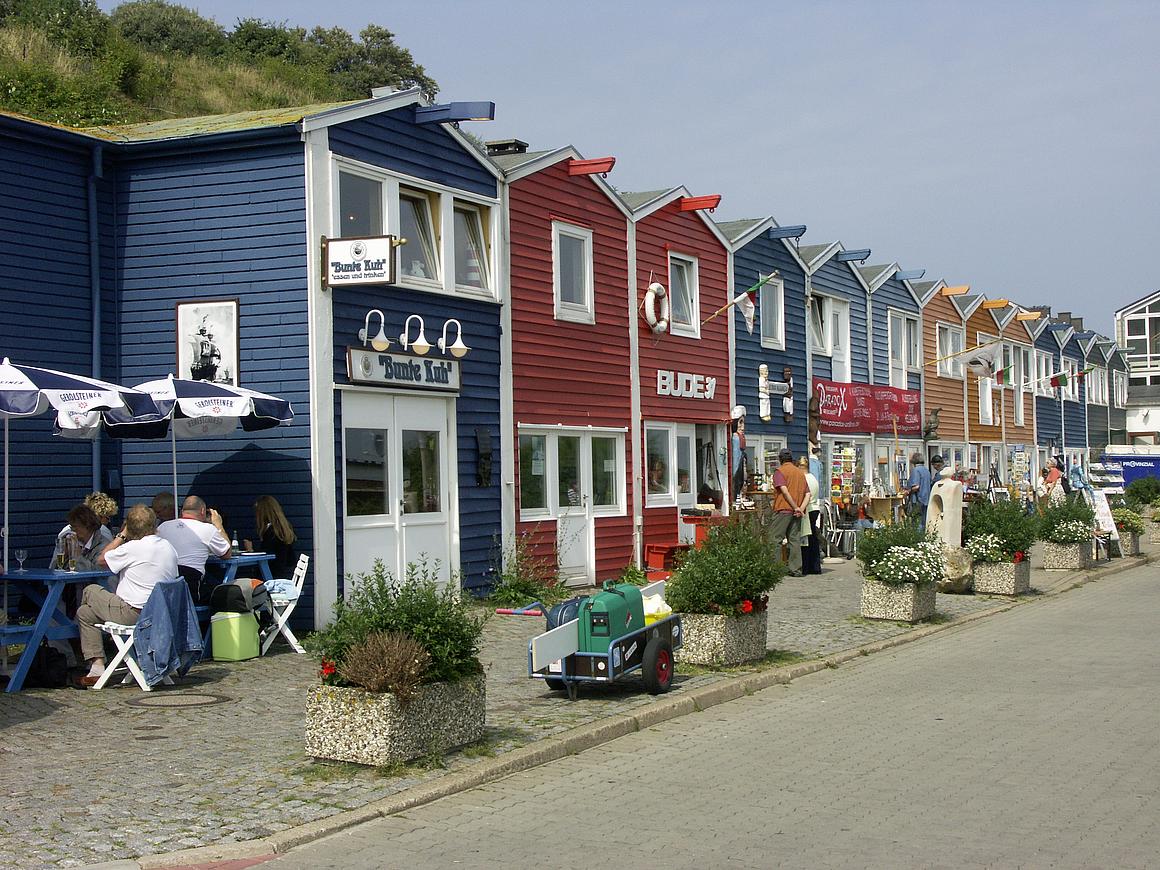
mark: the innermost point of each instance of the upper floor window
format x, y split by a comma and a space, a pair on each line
904, 347
572, 273
360, 206
471, 260
1097, 381
1120, 384
770, 310
820, 324
1071, 388
419, 257
684, 296
1043, 373
950, 345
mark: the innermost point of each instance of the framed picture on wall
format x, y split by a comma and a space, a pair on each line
207, 341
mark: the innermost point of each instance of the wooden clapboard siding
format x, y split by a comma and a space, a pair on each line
891, 296
838, 280
1048, 413
943, 393
1075, 412
982, 322
669, 230
1117, 416
45, 291
568, 373
758, 258
1016, 334
220, 223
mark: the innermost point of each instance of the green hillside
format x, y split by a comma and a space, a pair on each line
67, 62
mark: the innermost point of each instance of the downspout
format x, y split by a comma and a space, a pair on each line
870, 376
635, 434
95, 293
810, 360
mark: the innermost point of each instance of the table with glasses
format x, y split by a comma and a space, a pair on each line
228, 565
45, 587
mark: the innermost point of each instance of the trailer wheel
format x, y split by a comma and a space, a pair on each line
657, 666
555, 685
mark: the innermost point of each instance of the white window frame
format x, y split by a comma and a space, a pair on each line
1043, 373
1022, 359
845, 375
909, 343
1008, 363
431, 209
822, 332
551, 435
772, 299
483, 227
575, 312
1120, 388
951, 367
1071, 388
692, 330
987, 385
668, 498
339, 171
1097, 380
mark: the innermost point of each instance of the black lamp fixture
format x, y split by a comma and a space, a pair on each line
446, 113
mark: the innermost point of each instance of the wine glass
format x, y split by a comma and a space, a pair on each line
21, 555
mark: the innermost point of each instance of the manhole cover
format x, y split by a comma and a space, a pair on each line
178, 699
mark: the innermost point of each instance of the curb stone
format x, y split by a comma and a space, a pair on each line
591, 735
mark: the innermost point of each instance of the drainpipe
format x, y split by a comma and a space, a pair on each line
870, 377
636, 426
95, 292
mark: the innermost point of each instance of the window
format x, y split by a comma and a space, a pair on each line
840, 339
1043, 373
360, 206
684, 464
903, 342
1097, 381
770, 310
819, 324
471, 260
1120, 383
605, 471
684, 299
1008, 365
986, 403
572, 280
1023, 369
567, 470
950, 341
533, 480
420, 471
658, 441
366, 473
418, 258
1071, 388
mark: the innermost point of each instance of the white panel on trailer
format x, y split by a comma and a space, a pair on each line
561, 641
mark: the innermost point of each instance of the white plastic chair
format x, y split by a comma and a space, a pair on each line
124, 661
284, 605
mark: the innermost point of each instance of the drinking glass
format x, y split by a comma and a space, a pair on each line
21, 555
72, 550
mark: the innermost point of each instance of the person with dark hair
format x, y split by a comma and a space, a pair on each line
164, 506
790, 502
275, 535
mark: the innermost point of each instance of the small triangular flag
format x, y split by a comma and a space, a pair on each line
747, 304
1003, 376
1059, 380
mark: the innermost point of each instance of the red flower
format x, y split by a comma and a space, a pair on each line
1019, 556
328, 669
746, 606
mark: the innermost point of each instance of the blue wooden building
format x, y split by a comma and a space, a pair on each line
1048, 407
1073, 394
394, 451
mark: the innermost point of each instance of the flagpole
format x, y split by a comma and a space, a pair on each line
961, 352
733, 301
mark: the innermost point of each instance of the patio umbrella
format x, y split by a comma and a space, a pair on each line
188, 409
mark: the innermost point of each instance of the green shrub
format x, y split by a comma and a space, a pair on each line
873, 544
634, 575
435, 617
524, 577
1069, 532
1073, 508
1007, 521
732, 572
1143, 490
1128, 521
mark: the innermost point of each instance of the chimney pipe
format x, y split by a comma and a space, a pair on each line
499, 147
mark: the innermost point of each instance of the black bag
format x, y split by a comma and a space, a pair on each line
1066, 484
49, 669
563, 612
242, 596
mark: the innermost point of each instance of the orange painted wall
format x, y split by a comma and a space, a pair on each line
940, 392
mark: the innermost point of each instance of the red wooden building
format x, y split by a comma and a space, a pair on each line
682, 358
571, 384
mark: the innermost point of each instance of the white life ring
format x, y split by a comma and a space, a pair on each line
656, 292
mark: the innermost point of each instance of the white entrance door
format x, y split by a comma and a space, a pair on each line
688, 480
573, 523
397, 495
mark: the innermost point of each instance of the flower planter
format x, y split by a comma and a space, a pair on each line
1129, 544
1003, 578
901, 602
1154, 533
1066, 557
375, 729
723, 640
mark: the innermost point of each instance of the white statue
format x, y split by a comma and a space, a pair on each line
944, 514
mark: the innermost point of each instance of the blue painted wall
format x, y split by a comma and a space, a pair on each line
1048, 425
1074, 417
892, 295
760, 257
838, 279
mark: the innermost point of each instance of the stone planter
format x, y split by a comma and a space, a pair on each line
1129, 544
1154, 533
1066, 557
723, 640
901, 602
369, 728
1003, 578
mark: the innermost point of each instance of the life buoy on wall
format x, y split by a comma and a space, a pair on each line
656, 296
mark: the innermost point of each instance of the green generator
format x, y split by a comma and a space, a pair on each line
614, 611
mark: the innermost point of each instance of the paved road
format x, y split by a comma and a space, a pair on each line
1025, 740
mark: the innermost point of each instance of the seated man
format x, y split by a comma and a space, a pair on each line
195, 540
140, 559
164, 507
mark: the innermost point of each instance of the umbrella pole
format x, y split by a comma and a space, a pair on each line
4, 615
173, 445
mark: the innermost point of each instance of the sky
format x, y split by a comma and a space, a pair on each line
1005, 145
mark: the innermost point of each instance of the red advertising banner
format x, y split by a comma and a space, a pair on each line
865, 409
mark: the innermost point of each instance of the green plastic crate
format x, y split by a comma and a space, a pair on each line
233, 637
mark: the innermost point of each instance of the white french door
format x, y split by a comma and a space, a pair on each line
398, 490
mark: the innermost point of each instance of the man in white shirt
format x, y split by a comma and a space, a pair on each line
140, 559
195, 540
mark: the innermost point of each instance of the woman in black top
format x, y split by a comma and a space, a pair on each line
276, 536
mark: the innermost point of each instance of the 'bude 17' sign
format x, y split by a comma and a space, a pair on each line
866, 409
684, 385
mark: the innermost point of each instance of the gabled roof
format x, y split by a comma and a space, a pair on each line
968, 304
1061, 332
637, 200
517, 166
815, 256
650, 201
926, 290
875, 276
1002, 316
1034, 327
509, 163
1086, 340
1139, 303
736, 230
1106, 347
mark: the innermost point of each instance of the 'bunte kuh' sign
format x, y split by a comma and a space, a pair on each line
866, 409
348, 262
404, 370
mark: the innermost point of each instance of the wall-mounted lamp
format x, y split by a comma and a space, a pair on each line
697, 203
909, 274
1029, 315
458, 349
957, 290
445, 113
380, 342
420, 345
794, 232
597, 165
992, 304
859, 254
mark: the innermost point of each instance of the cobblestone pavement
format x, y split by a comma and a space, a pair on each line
97, 776
1027, 741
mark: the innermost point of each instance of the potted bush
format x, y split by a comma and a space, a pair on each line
1066, 530
999, 536
400, 672
721, 590
1130, 525
900, 570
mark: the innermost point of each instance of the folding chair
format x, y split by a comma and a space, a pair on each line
284, 603
124, 661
